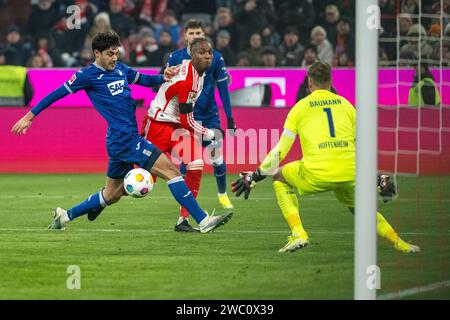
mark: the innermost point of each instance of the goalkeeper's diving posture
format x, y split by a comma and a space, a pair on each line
325, 123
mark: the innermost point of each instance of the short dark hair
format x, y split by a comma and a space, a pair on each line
103, 41
196, 42
193, 24
320, 73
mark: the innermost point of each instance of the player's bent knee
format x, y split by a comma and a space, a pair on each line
217, 161
164, 168
195, 165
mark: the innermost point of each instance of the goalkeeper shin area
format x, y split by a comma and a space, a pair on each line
385, 230
288, 202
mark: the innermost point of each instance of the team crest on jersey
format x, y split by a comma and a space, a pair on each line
116, 87
72, 79
192, 97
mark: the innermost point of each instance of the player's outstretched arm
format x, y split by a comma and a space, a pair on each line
146, 80
21, 126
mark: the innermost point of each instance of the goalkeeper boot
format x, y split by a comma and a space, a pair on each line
184, 226
212, 222
225, 201
406, 247
60, 219
295, 243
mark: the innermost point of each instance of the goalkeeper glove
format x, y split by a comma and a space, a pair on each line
231, 126
247, 180
386, 188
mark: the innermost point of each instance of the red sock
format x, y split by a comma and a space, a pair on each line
192, 179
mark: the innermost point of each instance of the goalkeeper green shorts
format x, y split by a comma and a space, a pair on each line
298, 177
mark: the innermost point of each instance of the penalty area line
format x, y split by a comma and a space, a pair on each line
413, 291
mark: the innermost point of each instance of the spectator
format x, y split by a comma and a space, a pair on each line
342, 60
409, 6
324, 47
15, 86
208, 29
224, 21
122, 23
269, 57
296, 13
152, 12
223, 46
43, 17
345, 40
309, 56
169, 22
165, 47
20, 50
388, 17
68, 42
291, 50
434, 35
270, 37
78, 35
142, 55
332, 17
243, 60
254, 52
423, 91
45, 47
102, 24
417, 31
252, 17
406, 23
85, 58
36, 61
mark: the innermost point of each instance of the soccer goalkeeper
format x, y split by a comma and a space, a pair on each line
325, 123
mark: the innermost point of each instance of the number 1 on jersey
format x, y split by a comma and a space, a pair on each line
330, 121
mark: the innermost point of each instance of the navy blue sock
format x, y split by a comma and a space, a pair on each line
95, 203
220, 172
183, 169
184, 197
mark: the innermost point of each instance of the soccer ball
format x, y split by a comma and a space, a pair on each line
138, 183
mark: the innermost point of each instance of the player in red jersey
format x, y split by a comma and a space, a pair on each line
170, 123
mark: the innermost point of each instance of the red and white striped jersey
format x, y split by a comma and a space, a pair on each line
185, 87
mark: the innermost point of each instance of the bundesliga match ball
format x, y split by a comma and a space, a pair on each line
138, 183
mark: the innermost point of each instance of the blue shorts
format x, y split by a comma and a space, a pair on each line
141, 153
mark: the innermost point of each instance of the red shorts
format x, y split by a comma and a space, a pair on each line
170, 138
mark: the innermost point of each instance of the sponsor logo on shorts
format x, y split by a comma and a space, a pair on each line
147, 152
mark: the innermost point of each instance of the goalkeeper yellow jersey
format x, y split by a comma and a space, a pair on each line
325, 123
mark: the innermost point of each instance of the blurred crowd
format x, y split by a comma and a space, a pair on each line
248, 33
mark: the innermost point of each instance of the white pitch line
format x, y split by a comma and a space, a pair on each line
74, 229
309, 198
413, 291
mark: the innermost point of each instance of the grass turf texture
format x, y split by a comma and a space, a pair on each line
131, 251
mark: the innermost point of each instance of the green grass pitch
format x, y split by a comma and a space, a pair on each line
131, 252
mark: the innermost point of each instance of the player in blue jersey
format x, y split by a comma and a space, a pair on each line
206, 111
106, 83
